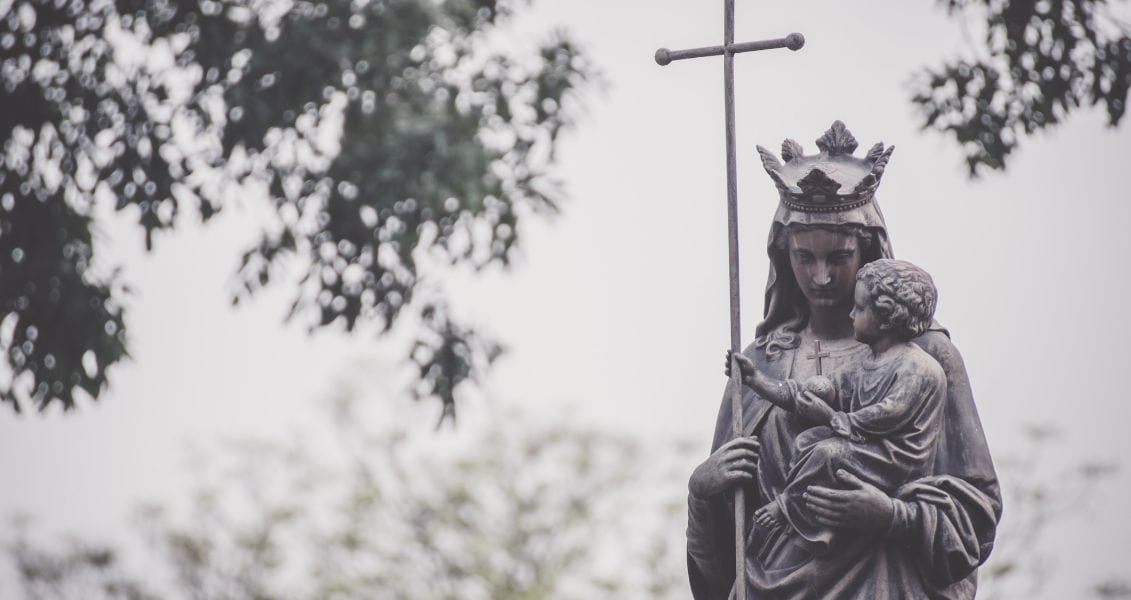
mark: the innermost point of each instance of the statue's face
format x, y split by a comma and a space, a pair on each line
867, 326
825, 265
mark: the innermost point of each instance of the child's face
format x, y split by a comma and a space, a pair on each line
866, 324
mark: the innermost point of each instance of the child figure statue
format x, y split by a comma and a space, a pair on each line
878, 419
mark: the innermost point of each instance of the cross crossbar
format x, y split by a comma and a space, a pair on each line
793, 41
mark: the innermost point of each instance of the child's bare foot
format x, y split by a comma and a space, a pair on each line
769, 516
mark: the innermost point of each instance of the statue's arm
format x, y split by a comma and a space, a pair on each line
710, 528
950, 519
778, 392
710, 547
710, 514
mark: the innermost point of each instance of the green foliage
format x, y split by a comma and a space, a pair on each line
77, 571
386, 133
521, 513
1041, 61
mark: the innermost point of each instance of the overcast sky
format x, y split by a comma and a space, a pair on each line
619, 306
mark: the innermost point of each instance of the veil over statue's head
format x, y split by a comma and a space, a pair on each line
831, 190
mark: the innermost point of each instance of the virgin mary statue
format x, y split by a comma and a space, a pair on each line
925, 539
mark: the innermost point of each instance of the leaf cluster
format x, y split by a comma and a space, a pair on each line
387, 135
1042, 60
521, 512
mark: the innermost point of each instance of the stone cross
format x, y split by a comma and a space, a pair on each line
793, 41
818, 355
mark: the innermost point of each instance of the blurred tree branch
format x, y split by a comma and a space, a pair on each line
1036, 498
1040, 61
513, 512
388, 134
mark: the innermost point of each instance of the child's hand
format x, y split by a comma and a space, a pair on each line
745, 366
812, 407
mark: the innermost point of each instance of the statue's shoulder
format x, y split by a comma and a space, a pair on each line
756, 352
923, 364
937, 343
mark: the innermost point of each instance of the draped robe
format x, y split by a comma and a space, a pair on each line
884, 432
944, 523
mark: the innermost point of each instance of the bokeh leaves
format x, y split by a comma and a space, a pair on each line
389, 135
1041, 61
518, 509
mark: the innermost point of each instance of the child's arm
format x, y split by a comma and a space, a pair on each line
774, 391
880, 419
814, 408
892, 413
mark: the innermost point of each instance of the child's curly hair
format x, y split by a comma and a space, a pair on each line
903, 295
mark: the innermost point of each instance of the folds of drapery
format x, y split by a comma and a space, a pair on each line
945, 527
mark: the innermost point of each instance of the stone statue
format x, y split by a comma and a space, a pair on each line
881, 499
877, 419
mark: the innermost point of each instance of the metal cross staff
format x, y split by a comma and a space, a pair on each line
793, 41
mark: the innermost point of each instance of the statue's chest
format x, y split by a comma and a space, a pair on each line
823, 357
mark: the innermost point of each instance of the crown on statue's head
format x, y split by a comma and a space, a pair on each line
831, 181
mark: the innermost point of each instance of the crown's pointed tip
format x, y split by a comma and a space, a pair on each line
875, 152
769, 161
837, 140
790, 150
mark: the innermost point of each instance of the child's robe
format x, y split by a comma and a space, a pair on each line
885, 432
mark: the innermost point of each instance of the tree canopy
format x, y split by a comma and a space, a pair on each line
385, 133
1039, 62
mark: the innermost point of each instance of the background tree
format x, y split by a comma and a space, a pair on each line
1023, 561
509, 512
387, 134
77, 570
513, 512
1040, 60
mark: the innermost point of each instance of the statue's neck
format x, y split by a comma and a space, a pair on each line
830, 323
